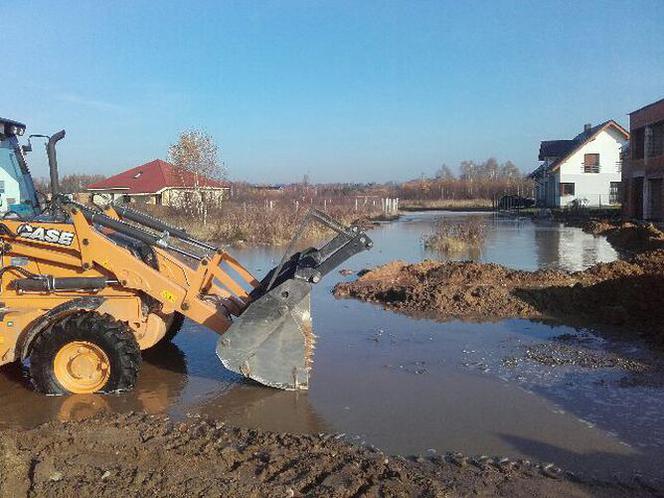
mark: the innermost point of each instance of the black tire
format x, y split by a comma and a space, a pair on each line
114, 338
174, 327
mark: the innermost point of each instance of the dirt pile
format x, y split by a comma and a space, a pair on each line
625, 293
138, 455
626, 237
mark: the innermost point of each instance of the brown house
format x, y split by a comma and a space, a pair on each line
643, 168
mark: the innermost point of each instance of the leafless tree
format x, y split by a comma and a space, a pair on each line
196, 155
73, 183
444, 172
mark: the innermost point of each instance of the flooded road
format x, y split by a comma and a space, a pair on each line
417, 386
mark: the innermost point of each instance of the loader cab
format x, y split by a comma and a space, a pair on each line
17, 190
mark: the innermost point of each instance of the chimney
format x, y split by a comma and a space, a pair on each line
586, 128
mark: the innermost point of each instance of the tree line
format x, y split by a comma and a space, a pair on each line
196, 152
475, 180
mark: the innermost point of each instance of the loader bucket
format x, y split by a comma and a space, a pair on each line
272, 340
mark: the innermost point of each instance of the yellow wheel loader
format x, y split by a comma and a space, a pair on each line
84, 289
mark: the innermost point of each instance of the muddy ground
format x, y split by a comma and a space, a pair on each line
626, 294
140, 455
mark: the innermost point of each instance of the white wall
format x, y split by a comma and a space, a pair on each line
594, 187
11, 191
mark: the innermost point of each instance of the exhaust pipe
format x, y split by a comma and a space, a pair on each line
53, 168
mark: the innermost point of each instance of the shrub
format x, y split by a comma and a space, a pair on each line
455, 237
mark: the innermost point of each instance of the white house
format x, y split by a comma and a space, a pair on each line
585, 169
9, 191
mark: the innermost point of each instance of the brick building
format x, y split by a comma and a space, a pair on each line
643, 168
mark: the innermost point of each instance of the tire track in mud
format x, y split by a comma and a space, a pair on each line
115, 455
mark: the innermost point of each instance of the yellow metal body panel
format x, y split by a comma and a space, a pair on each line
204, 292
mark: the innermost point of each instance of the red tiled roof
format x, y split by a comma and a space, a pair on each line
152, 177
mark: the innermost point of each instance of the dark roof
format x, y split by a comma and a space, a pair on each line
585, 135
152, 177
555, 148
562, 149
11, 122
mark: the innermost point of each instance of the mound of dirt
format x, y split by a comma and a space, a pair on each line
626, 237
138, 455
625, 293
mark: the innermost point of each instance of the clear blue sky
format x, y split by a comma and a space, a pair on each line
344, 90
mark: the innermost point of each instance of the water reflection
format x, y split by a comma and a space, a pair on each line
163, 378
569, 248
252, 405
164, 388
518, 243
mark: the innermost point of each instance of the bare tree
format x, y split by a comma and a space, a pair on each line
73, 183
196, 156
76, 182
444, 172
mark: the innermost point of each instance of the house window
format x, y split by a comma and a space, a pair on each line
591, 163
637, 143
615, 193
566, 189
656, 145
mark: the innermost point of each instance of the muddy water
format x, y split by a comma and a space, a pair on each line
416, 386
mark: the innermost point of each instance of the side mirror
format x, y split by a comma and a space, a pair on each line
28, 146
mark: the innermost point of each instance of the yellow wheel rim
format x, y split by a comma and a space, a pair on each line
82, 367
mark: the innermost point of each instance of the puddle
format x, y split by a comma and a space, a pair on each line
415, 386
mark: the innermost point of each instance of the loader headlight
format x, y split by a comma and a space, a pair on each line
12, 129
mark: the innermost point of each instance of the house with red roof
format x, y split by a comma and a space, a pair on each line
161, 183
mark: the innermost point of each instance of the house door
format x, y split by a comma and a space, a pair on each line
655, 204
637, 197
